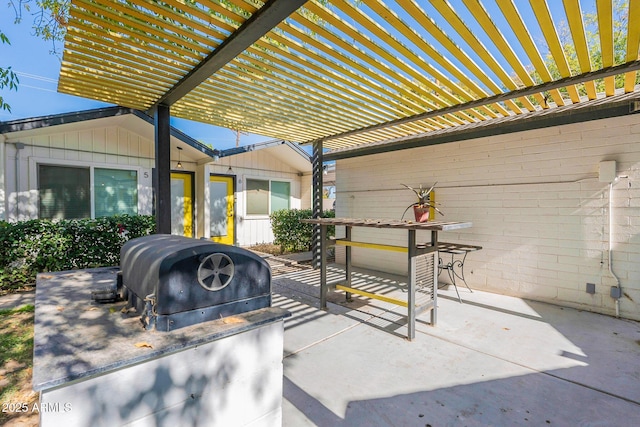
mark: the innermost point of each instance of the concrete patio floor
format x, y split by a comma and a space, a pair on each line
490, 361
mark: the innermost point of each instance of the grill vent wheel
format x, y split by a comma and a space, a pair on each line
215, 272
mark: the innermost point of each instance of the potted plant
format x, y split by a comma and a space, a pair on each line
422, 207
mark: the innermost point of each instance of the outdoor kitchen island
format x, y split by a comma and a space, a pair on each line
422, 262
95, 364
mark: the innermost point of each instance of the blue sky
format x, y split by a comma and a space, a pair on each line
37, 95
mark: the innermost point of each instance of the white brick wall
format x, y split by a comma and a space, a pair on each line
536, 204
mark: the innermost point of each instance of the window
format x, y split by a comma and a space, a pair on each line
116, 192
280, 192
264, 197
65, 192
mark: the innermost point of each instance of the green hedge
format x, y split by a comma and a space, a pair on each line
293, 235
34, 246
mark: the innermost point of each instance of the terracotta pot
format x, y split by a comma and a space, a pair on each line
421, 213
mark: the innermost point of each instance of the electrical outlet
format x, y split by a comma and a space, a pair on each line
591, 288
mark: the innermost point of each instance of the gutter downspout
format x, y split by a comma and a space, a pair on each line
616, 291
19, 146
617, 303
3, 154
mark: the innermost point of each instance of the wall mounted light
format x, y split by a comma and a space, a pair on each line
229, 171
179, 165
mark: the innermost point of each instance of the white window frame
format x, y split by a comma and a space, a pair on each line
268, 179
35, 162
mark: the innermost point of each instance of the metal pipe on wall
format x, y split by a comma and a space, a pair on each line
617, 300
19, 146
618, 293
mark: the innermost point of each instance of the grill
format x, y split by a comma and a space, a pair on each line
175, 281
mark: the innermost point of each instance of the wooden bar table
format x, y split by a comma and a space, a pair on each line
422, 259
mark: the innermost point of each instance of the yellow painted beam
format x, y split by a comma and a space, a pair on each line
524, 36
420, 85
605, 29
633, 43
372, 246
343, 107
394, 57
348, 96
285, 101
543, 16
483, 18
576, 26
396, 22
372, 295
376, 85
139, 22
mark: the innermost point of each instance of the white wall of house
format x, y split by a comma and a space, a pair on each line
116, 147
100, 147
258, 164
536, 203
306, 195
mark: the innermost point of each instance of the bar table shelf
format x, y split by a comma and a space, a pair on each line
422, 262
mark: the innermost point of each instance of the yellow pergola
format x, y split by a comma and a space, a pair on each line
347, 72
342, 74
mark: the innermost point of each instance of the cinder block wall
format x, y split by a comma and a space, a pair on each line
536, 203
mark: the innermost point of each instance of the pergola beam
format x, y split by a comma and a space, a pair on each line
619, 106
271, 14
557, 84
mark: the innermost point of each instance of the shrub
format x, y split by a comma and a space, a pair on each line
39, 245
293, 235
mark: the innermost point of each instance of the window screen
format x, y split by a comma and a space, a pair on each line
64, 192
280, 192
257, 197
116, 192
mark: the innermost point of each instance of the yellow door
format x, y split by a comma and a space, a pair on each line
182, 204
221, 209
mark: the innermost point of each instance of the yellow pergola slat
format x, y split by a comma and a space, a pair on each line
522, 32
393, 57
429, 25
139, 26
496, 36
375, 81
294, 109
316, 89
396, 22
633, 43
445, 9
543, 15
126, 62
421, 85
321, 30
574, 17
335, 83
294, 96
298, 110
605, 30
105, 43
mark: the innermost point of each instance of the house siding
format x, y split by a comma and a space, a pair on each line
536, 203
105, 147
259, 164
121, 142
306, 194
